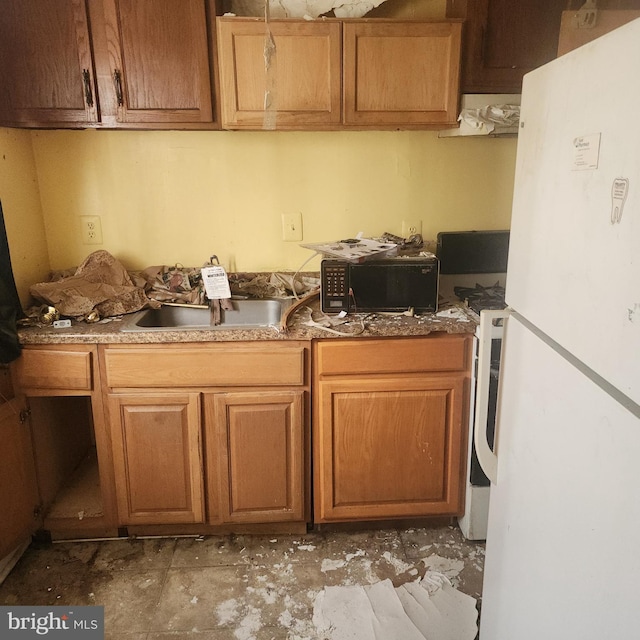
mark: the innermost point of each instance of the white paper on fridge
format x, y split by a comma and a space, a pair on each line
586, 152
216, 284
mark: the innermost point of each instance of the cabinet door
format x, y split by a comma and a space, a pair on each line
389, 447
157, 458
255, 456
18, 488
504, 40
297, 87
401, 73
46, 61
159, 60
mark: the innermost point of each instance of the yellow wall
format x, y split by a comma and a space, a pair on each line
177, 197
22, 211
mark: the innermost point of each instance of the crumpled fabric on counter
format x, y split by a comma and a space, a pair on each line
100, 283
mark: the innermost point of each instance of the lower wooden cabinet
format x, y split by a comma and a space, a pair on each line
390, 443
255, 456
157, 458
19, 497
228, 446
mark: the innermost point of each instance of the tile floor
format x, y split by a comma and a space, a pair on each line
231, 587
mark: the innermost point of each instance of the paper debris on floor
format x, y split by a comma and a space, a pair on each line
430, 608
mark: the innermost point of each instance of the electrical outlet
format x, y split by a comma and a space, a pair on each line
292, 227
411, 227
91, 229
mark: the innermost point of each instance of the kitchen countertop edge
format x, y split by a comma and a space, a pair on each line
461, 321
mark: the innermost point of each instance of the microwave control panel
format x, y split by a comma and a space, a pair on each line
334, 286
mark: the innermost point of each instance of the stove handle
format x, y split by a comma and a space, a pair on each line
488, 332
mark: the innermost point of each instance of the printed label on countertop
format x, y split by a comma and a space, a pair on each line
215, 282
586, 150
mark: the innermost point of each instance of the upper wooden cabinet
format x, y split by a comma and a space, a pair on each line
386, 73
115, 63
298, 85
157, 67
503, 40
401, 73
47, 64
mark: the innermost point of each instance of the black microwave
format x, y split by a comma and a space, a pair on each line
386, 284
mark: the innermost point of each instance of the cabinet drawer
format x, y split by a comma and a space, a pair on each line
410, 355
205, 366
54, 369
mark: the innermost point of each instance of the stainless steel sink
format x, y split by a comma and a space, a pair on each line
246, 314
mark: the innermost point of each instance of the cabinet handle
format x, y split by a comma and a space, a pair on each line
88, 93
117, 81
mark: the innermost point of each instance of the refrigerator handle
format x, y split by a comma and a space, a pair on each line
488, 332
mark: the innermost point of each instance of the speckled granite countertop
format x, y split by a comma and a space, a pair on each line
450, 319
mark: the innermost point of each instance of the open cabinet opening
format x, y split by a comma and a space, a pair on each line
66, 463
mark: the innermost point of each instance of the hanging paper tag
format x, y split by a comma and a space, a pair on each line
215, 281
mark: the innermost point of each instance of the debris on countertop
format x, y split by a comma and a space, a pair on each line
311, 322
99, 284
273, 285
101, 288
306, 322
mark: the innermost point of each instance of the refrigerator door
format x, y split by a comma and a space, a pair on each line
574, 267
562, 560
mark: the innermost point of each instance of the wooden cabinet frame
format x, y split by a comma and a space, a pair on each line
244, 419
157, 457
19, 499
109, 63
302, 82
388, 73
255, 456
42, 93
390, 420
401, 73
65, 376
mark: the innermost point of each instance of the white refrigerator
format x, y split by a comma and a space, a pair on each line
563, 541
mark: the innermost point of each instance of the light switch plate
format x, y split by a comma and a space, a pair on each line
292, 227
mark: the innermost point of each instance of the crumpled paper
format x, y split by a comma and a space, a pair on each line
172, 284
100, 283
491, 117
304, 8
272, 285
